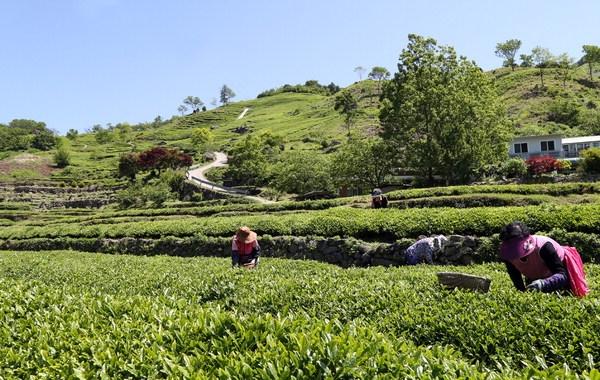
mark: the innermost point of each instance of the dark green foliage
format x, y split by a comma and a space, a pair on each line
21, 134
564, 111
128, 165
513, 168
591, 160
154, 194
43, 140
62, 157
72, 134
364, 162
443, 110
251, 157
175, 180
302, 172
589, 120
310, 87
103, 136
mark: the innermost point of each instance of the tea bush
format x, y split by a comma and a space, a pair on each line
70, 314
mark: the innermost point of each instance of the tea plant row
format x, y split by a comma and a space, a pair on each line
69, 314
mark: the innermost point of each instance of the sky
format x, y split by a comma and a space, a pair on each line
77, 63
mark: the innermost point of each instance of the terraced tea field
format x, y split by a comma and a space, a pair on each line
83, 314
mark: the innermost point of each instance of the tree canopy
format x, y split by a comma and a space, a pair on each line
363, 162
508, 50
442, 113
592, 55
301, 172
347, 104
226, 94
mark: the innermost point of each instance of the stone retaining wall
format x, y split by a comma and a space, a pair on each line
461, 250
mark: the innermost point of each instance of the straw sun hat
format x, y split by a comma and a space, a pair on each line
245, 235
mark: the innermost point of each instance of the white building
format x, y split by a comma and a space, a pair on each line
551, 145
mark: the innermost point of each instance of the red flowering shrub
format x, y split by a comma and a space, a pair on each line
163, 158
542, 164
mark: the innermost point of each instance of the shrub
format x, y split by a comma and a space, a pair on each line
514, 168
62, 157
175, 180
541, 164
72, 134
565, 165
128, 165
138, 195
591, 160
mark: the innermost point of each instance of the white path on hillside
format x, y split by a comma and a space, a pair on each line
243, 113
198, 175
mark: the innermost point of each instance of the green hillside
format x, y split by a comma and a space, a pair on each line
309, 121
303, 120
569, 108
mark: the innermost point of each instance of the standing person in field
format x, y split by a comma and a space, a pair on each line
546, 265
424, 250
244, 248
378, 199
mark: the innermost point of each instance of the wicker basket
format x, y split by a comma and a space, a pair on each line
453, 280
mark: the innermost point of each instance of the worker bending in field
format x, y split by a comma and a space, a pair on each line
546, 265
424, 250
378, 199
244, 248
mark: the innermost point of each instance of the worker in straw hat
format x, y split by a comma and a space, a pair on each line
546, 265
378, 199
244, 248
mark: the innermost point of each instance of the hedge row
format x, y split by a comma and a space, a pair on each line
555, 189
203, 211
472, 200
382, 225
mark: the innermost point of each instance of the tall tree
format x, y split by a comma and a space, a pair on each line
379, 73
442, 113
565, 67
226, 94
347, 104
508, 51
182, 109
251, 158
360, 71
526, 60
363, 162
300, 172
542, 58
193, 102
592, 55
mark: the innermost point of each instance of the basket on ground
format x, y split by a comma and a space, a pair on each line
453, 280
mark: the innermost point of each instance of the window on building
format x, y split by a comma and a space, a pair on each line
582, 146
521, 148
547, 146
566, 147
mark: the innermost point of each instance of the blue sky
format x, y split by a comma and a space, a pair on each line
76, 63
